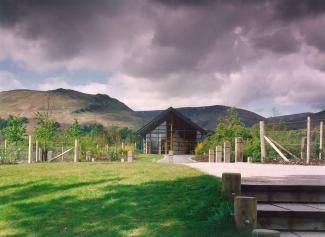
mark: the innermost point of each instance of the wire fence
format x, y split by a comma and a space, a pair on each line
292, 140
62, 150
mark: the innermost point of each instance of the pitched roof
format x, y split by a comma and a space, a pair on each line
161, 118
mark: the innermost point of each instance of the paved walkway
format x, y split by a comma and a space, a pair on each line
178, 159
302, 234
267, 173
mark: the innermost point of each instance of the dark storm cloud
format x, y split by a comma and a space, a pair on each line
281, 41
298, 9
196, 44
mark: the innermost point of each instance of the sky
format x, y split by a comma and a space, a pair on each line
261, 55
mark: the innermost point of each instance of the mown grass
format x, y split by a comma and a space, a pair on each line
111, 199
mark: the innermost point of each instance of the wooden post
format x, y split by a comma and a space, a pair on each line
5, 148
245, 212
303, 146
171, 156
88, 156
159, 145
320, 140
218, 154
265, 233
40, 154
30, 149
62, 150
308, 140
49, 155
239, 153
231, 184
75, 157
171, 135
211, 155
36, 153
130, 156
226, 152
262, 141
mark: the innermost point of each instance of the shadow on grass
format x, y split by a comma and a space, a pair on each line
185, 207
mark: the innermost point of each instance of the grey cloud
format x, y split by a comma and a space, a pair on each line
196, 44
297, 9
281, 41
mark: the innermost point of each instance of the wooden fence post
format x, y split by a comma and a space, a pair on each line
218, 153
36, 151
245, 212
49, 155
321, 140
262, 141
30, 149
226, 152
239, 149
40, 154
211, 155
75, 157
171, 156
130, 156
308, 139
5, 148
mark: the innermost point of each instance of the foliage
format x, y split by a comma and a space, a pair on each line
228, 128
200, 148
15, 130
46, 130
74, 131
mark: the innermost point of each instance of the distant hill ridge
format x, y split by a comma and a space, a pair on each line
65, 105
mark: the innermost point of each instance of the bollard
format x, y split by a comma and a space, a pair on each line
122, 160
231, 184
130, 156
265, 233
218, 154
246, 212
92, 159
239, 149
226, 152
211, 155
249, 159
171, 156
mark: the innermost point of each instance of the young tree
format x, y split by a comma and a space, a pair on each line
46, 130
74, 131
15, 130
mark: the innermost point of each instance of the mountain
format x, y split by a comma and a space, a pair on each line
298, 121
65, 105
206, 116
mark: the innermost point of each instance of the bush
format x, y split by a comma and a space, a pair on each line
112, 153
200, 149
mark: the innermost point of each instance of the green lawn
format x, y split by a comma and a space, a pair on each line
111, 199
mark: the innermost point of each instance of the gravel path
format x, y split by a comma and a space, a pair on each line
178, 159
267, 173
